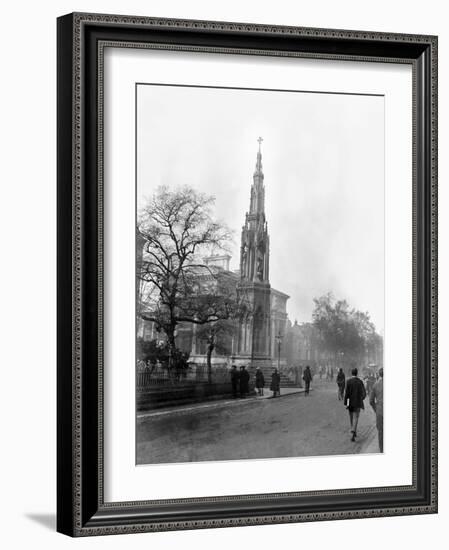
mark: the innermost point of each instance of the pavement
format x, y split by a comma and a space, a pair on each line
216, 404
293, 425
371, 444
283, 393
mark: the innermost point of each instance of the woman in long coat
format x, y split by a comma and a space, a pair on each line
260, 381
275, 383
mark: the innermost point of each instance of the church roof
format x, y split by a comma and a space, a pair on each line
279, 293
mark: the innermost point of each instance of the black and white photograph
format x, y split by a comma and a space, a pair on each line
260, 267
239, 235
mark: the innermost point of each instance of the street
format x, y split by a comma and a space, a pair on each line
292, 425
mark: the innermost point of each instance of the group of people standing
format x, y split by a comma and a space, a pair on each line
353, 392
240, 382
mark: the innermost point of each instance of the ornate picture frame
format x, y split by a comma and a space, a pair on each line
81, 507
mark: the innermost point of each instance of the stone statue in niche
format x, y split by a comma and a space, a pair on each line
244, 257
260, 267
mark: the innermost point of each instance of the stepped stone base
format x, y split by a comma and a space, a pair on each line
285, 380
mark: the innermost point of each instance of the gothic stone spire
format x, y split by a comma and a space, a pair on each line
254, 262
257, 203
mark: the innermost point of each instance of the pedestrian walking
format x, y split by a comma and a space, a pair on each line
260, 381
354, 396
341, 381
244, 381
235, 377
275, 383
376, 400
307, 377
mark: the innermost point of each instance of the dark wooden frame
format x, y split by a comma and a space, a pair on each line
81, 510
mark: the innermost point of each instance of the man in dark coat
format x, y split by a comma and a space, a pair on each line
234, 380
376, 400
260, 381
354, 396
341, 381
275, 383
244, 381
307, 377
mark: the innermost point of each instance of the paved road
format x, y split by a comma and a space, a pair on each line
294, 425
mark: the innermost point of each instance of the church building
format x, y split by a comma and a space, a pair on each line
260, 332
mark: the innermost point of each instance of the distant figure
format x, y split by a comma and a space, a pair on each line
275, 383
376, 400
297, 376
235, 376
260, 381
370, 381
354, 396
244, 381
320, 371
332, 373
307, 377
341, 380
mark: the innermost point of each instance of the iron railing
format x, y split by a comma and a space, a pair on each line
150, 376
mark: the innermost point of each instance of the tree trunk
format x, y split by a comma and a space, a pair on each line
171, 353
210, 349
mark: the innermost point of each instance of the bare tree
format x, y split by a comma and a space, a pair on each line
178, 230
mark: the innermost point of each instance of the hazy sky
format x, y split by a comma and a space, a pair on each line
323, 160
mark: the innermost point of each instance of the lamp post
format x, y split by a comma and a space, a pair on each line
279, 340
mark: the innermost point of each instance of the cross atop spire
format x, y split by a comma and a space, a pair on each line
258, 171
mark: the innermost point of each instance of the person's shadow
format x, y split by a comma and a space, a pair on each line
46, 520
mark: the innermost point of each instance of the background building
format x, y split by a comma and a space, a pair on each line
259, 334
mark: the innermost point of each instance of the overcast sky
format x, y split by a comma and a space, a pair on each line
323, 160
